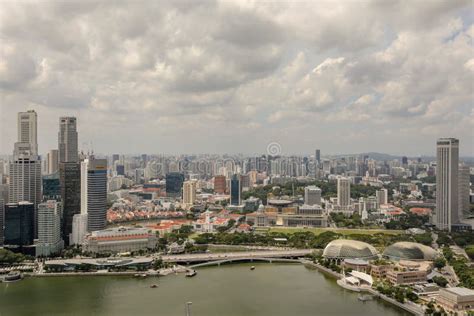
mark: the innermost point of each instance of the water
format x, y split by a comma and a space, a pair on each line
229, 290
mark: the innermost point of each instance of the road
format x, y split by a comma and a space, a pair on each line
200, 257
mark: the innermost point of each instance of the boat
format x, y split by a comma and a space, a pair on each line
140, 275
364, 298
191, 273
153, 286
252, 268
12, 276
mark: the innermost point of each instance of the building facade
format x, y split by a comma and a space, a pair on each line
189, 192
49, 229
70, 184
235, 190
28, 130
67, 140
19, 224
447, 198
343, 191
312, 195
116, 240
94, 192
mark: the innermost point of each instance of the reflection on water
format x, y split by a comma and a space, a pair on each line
271, 289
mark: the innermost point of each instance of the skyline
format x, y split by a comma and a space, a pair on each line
227, 77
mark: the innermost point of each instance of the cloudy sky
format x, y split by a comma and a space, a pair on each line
223, 76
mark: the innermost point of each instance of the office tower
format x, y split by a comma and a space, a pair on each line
27, 130
245, 181
52, 159
235, 190
94, 192
49, 229
174, 184
381, 196
25, 180
404, 161
317, 156
447, 164
312, 195
79, 228
2, 220
189, 192
70, 184
219, 184
464, 189
69, 173
343, 191
115, 157
51, 187
19, 224
67, 139
120, 169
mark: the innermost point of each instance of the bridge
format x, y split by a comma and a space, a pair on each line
219, 262
217, 258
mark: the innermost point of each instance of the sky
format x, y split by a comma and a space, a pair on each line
235, 76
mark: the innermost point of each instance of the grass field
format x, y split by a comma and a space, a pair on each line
342, 231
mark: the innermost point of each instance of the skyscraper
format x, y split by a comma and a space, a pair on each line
19, 223
67, 139
343, 191
382, 196
79, 229
235, 190
69, 173
2, 220
312, 195
70, 184
464, 189
27, 129
53, 160
447, 164
219, 184
317, 156
49, 229
189, 192
174, 183
94, 192
25, 181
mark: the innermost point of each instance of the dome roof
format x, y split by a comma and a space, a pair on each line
344, 248
409, 251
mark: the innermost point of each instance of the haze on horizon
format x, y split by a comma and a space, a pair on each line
234, 76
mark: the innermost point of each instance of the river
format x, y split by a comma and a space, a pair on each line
228, 290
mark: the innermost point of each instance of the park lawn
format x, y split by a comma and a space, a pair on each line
343, 231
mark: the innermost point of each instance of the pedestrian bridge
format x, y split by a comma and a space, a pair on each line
270, 255
219, 262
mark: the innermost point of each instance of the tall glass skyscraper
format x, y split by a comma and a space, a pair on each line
174, 183
19, 223
235, 190
94, 192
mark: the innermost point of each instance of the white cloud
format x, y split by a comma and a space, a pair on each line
240, 73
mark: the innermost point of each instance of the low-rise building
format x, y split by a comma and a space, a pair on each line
118, 240
456, 298
399, 276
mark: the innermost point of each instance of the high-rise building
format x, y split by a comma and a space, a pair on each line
381, 196
312, 195
25, 180
49, 229
404, 160
51, 187
69, 173
235, 190
79, 229
94, 192
70, 184
317, 156
447, 198
343, 191
2, 220
19, 224
27, 130
120, 170
219, 184
245, 181
464, 187
52, 158
189, 192
174, 184
67, 139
